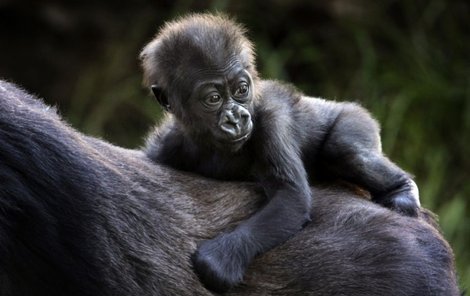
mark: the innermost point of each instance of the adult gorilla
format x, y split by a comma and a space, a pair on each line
79, 216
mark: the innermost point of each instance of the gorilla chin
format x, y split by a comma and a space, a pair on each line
225, 144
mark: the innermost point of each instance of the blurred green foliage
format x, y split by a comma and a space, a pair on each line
408, 62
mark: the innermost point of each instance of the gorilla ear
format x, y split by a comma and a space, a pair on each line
161, 97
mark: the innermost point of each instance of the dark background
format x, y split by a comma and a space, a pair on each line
406, 61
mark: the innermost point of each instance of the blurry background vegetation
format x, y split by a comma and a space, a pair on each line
406, 61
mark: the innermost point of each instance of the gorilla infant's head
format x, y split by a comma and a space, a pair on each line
201, 68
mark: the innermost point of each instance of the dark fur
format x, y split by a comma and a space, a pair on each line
294, 138
79, 216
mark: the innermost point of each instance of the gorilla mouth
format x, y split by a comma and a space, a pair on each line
248, 130
242, 138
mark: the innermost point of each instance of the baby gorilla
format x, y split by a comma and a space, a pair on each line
225, 122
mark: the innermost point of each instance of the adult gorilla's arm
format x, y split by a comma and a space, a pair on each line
79, 216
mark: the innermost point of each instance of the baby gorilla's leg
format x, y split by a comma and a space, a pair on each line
352, 151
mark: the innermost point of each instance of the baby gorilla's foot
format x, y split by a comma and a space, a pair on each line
220, 263
404, 200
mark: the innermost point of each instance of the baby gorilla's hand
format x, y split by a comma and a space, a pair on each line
221, 262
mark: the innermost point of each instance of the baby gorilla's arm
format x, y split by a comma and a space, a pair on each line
221, 262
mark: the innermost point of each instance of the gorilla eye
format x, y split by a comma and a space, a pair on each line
213, 99
242, 90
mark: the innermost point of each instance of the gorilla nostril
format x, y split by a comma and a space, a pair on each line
245, 118
229, 118
244, 115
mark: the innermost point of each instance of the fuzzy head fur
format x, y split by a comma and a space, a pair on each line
193, 43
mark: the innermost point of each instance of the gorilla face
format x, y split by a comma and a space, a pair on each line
220, 107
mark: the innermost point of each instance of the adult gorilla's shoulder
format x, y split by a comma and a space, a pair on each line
79, 216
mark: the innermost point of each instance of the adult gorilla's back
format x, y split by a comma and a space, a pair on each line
79, 216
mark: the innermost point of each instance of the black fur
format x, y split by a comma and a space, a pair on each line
289, 138
79, 216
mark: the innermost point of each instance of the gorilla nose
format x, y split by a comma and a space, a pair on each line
235, 122
231, 118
